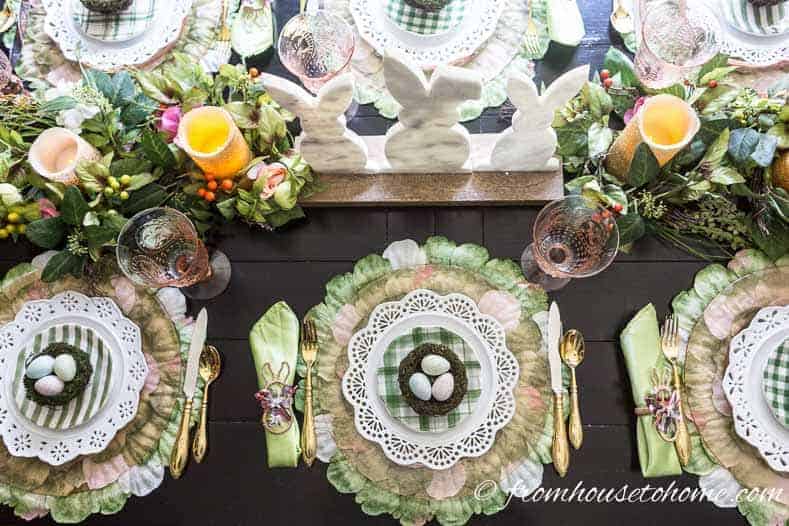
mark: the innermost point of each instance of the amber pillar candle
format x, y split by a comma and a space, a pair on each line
665, 123
213, 141
56, 153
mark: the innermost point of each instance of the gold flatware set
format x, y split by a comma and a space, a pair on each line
309, 351
203, 361
567, 349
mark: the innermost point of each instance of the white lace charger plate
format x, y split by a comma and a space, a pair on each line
60, 26
749, 351
498, 369
23, 436
429, 51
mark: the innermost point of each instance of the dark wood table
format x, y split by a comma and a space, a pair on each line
234, 486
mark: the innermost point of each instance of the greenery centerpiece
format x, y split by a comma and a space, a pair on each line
728, 189
132, 118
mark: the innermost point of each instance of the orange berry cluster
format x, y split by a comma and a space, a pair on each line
208, 192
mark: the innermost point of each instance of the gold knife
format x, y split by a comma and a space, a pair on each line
560, 448
180, 454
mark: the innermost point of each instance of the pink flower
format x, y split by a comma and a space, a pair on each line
169, 121
274, 174
632, 112
47, 208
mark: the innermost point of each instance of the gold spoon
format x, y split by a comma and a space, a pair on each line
210, 366
621, 19
572, 353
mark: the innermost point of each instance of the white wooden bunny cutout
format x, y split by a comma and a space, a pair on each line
529, 144
325, 141
428, 137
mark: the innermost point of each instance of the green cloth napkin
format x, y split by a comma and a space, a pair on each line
274, 339
641, 346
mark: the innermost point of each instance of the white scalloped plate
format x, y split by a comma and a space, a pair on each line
429, 51
110, 56
749, 351
499, 375
22, 436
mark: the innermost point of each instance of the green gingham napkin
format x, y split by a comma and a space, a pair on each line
83, 407
127, 24
776, 382
389, 388
425, 22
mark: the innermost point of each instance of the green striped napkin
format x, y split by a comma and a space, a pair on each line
760, 21
83, 407
424, 22
125, 25
389, 388
775, 382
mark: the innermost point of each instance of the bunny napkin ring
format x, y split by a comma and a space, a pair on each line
276, 399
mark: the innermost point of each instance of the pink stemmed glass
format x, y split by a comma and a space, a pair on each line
573, 238
316, 46
675, 41
160, 247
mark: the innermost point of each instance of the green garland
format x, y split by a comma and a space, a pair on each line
128, 116
727, 190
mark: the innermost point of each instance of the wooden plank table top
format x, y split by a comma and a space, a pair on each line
234, 487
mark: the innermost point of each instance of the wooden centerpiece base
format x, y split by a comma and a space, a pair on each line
476, 184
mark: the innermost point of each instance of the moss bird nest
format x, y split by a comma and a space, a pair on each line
71, 389
412, 363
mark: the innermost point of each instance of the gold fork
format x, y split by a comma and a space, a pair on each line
531, 39
309, 351
669, 343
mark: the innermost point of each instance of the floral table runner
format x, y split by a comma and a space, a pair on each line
133, 463
415, 495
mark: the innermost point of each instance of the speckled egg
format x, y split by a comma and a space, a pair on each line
65, 367
434, 365
420, 386
40, 367
443, 387
49, 386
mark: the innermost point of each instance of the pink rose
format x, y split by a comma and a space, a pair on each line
169, 121
274, 174
632, 112
47, 208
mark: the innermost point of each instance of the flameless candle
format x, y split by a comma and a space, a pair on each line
213, 141
665, 123
56, 152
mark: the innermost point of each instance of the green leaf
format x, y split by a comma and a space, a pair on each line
599, 139
57, 105
678, 90
146, 197
631, 228
717, 150
155, 149
617, 62
101, 81
616, 195
227, 208
46, 233
716, 74
742, 143
718, 61
773, 239
598, 100
726, 175
137, 110
62, 264
281, 217
140, 180
712, 128
765, 150
130, 166
714, 101
622, 99
74, 207
574, 186
644, 167
100, 235
573, 138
